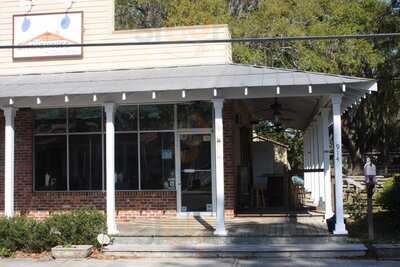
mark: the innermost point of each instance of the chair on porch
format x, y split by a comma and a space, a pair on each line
259, 187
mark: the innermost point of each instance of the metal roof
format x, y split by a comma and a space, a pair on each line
167, 79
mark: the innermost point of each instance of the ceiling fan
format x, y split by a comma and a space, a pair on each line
277, 109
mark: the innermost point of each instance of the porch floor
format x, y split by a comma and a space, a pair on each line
271, 226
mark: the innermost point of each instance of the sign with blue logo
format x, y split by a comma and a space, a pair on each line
48, 29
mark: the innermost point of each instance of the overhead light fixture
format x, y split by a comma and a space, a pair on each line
278, 90
26, 5
11, 101
246, 91
153, 95
68, 3
66, 99
343, 88
123, 96
215, 92
310, 89
94, 98
183, 94
38, 101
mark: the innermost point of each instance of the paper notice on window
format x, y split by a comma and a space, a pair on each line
166, 154
206, 138
209, 207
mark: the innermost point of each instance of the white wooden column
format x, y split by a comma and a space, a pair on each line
320, 163
219, 165
315, 163
305, 159
110, 166
309, 163
9, 168
326, 163
340, 228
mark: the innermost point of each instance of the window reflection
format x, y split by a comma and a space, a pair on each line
51, 162
126, 161
194, 115
50, 120
156, 117
126, 118
85, 162
84, 119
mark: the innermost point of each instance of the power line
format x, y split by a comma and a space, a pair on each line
232, 40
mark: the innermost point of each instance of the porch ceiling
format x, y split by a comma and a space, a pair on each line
295, 113
198, 81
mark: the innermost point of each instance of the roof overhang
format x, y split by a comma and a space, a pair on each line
204, 82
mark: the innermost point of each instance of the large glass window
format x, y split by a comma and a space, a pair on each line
51, 162
157, 160
70, 146
85, 162
126, 161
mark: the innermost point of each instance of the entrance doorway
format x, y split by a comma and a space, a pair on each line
195, 175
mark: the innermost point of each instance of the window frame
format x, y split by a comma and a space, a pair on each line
176, 131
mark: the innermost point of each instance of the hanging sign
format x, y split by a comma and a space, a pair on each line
48, 29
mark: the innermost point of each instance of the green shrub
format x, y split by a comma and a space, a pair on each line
356, 206
78, 227
389, 196
5, 252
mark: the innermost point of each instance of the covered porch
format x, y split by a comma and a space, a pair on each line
318, 101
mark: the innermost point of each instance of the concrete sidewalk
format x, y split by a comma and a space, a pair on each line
282, 262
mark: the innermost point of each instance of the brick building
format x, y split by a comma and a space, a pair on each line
146, 130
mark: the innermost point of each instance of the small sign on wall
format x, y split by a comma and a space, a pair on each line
48, 29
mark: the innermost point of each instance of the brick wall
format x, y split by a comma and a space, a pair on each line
129, 204
230, 182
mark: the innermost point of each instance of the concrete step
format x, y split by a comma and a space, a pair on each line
322, 250
226, 240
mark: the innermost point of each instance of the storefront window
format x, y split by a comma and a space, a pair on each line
70, 145
157, 160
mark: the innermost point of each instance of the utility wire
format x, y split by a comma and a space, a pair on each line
232, 40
